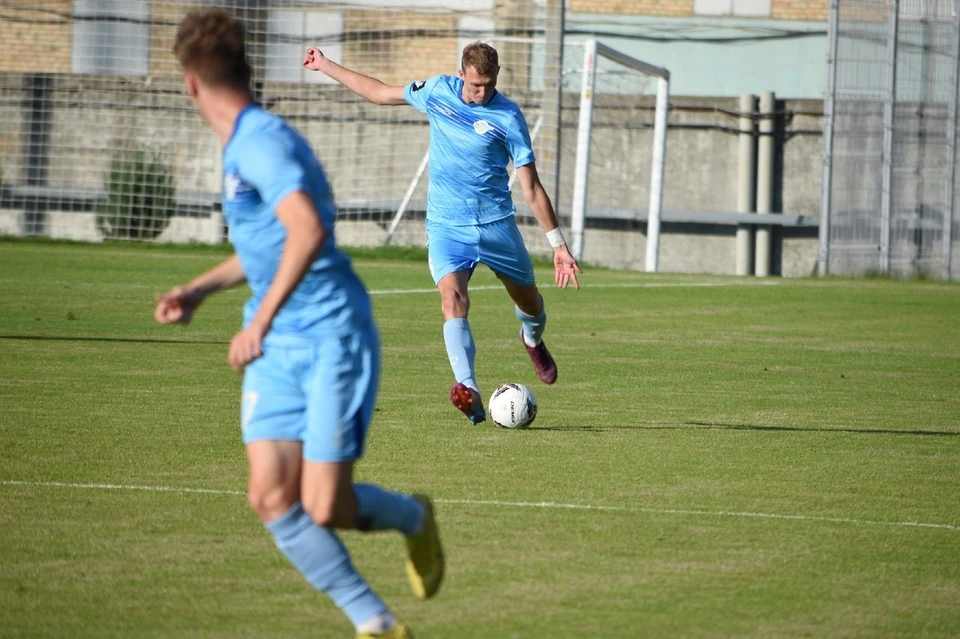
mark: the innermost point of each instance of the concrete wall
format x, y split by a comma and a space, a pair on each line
371, 154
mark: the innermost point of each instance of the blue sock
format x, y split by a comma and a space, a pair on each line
379, 509
320, 557
461, 350
533, 325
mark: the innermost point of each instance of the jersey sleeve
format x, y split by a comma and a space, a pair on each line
269, 163
519, 145
416, 93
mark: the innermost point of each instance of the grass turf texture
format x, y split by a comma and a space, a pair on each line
687, 406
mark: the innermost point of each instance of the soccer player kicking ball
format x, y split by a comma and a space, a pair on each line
309, 348
474, 133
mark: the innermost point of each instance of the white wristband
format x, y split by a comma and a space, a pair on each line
555, 237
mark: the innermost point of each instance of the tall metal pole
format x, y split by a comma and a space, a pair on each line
829, 102
889, 115
548, 163
951, 166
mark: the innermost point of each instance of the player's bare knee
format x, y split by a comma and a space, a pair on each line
323, 512
269, 502
454, 304
529, 301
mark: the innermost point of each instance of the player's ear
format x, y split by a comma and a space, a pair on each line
190, 84
460, 73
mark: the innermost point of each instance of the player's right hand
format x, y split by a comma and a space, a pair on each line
176, 306
565, 267
313, 58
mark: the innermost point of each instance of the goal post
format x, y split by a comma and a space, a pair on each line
627, 67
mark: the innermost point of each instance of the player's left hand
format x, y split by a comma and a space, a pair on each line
565, 267
245, 347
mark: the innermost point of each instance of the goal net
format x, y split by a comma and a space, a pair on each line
98, 140
613, 159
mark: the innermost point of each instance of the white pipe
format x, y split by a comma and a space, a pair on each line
764, 183
533, 136
746, 186
407, 197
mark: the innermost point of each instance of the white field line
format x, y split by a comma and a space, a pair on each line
544, 285
524, 504
415, 291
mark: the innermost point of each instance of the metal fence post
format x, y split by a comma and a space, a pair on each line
951, 165
823, 249
889, 115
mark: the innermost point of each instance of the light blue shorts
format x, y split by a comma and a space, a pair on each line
460, 248
322, 395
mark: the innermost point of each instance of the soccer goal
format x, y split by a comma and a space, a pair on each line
613, 129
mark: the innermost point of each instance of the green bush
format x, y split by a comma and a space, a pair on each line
140, 196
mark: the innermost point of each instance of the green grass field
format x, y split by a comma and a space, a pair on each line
720, 457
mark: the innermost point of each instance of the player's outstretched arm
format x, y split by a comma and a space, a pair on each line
565, 267
178, 304
305, 236
363, 85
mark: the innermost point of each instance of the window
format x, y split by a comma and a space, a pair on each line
290, 32
111, 37
744, 8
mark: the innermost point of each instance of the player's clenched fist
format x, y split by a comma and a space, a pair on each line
177, 306
313, 58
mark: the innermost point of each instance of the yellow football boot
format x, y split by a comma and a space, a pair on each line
425, 563
399, 631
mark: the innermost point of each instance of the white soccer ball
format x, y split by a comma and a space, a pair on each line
513, 406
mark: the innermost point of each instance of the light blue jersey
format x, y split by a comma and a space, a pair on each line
470, 148
317, 379
264, 162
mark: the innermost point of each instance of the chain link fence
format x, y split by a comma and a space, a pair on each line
98, 140
890, 130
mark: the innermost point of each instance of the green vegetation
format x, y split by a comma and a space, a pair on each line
720, 457
140, 195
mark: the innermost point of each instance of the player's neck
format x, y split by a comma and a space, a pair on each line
222, 110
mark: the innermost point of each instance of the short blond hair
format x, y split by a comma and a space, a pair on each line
212, 44
481, 57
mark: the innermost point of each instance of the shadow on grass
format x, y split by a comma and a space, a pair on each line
756, 427
127, 340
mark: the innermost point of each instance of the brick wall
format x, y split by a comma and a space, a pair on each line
35, 36
634, 7
799, 9
166, 17
779, 9
393, 60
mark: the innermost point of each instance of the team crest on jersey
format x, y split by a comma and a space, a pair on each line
482, 127
235, 188
419, 84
